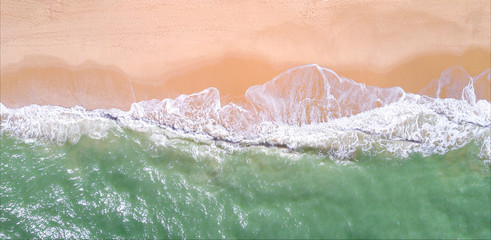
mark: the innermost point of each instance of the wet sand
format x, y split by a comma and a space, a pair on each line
110, 54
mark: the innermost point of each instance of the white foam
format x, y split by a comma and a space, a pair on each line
305, 108
400, 128
55, 124
456, 83
310, 94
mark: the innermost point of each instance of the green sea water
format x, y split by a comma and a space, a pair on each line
126, 186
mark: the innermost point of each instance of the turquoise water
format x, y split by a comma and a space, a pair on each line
124, 185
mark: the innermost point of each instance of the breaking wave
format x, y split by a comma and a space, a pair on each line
307, 108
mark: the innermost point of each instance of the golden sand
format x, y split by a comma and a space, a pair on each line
112, 53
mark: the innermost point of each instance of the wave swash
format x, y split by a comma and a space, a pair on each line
305, 108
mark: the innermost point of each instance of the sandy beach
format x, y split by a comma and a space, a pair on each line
245, 119
102, 54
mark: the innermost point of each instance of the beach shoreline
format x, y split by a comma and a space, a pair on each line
46, 80
111, 54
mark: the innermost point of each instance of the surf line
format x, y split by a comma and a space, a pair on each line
243, 143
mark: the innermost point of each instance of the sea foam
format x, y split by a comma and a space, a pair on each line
304, 108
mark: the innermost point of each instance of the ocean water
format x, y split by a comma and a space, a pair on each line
310, 154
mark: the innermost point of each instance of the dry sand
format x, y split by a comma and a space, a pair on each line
112, 53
